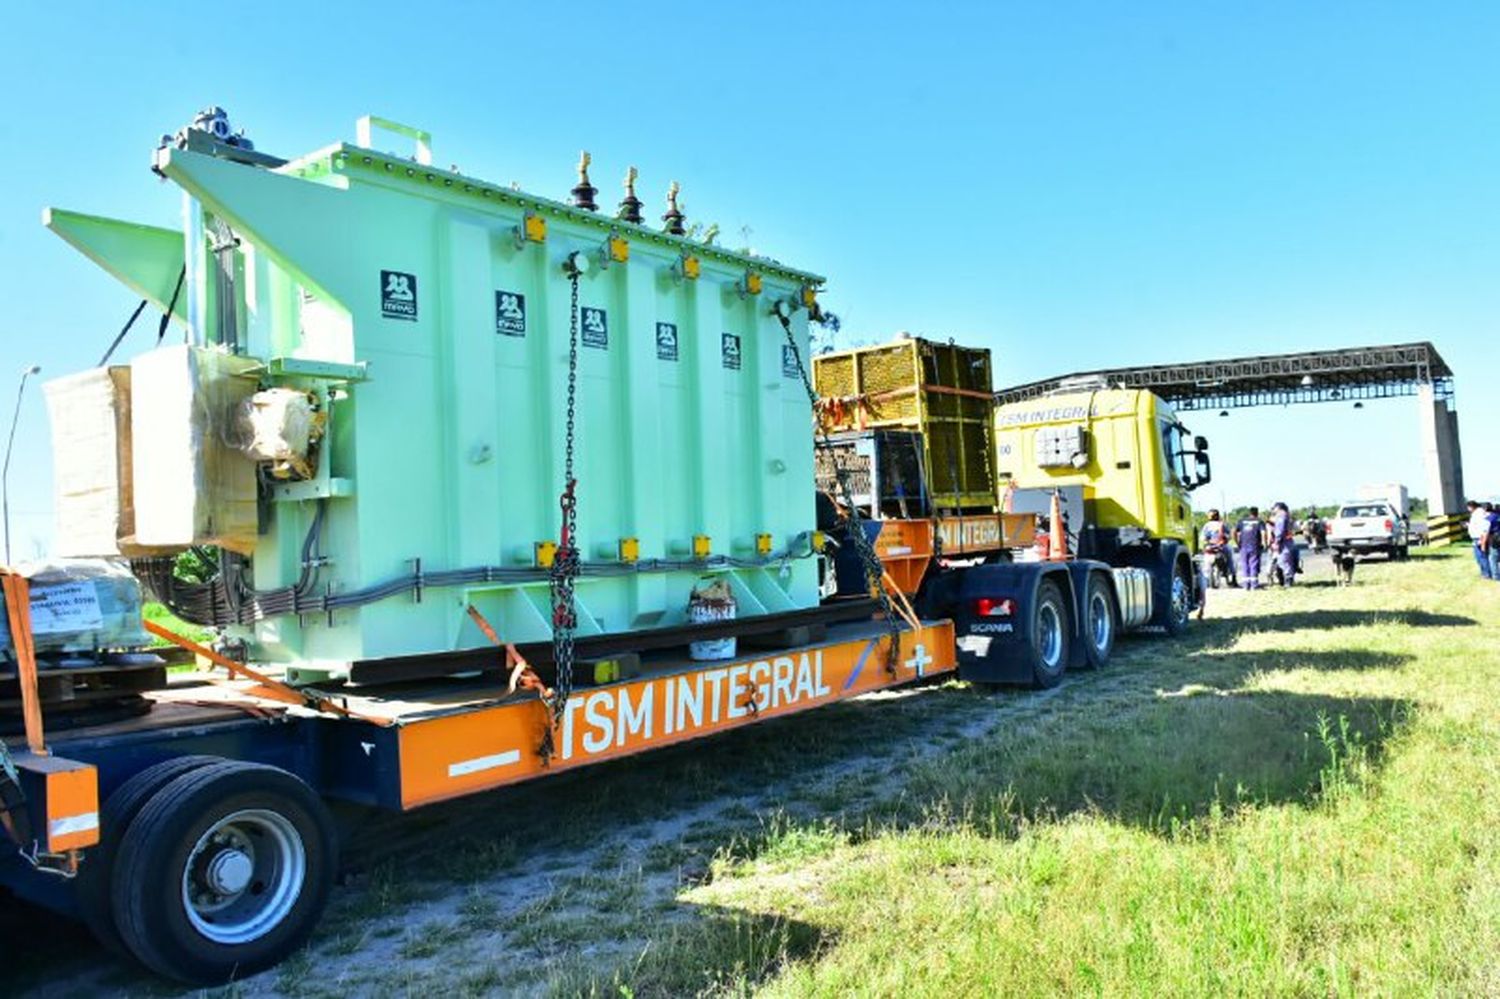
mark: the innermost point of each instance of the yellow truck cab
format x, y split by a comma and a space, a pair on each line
1123, 465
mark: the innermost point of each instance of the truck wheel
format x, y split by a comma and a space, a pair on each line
1100, 621
224, 872
1175, 601
1049, 636
92, 886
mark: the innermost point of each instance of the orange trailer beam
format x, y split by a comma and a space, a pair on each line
473, 750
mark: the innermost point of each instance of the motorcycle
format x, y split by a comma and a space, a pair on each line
1217, 567
1315, 533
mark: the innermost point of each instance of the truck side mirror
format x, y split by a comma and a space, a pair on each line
1203, 470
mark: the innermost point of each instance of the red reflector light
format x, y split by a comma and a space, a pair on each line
994, 607
1389, 526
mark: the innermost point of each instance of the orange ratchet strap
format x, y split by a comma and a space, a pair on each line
521, 673
18, 606
274, 690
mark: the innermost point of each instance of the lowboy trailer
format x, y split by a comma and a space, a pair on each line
198, 835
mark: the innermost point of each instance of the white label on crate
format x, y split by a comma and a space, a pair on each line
65, 607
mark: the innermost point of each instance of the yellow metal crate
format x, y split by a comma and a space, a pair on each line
941, 390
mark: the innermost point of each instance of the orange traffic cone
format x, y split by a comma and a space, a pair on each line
1057, 549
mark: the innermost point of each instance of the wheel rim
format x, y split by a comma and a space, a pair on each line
1181, 601
1049, 636
243, 876
1101, 621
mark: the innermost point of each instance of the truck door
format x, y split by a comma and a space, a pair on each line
1175, 474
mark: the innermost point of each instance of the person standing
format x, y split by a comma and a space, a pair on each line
1479, 534
1283, 543
1249, 535
1214, 540
1493, 549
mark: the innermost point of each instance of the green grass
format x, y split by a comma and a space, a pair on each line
1302, 797
160, 615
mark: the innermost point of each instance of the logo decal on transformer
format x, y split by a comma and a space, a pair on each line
594, 328
398, 295
510, 313
666, 341
732, 354
789, 363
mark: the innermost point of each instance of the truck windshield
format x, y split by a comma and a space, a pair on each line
1365, 510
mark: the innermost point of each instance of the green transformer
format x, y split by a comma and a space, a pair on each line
364, 431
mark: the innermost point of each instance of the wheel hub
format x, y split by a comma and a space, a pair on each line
229, 872
244, 876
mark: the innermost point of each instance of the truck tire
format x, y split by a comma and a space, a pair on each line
1101, 620
1049, 636
224, 872
1173, 596
92, 886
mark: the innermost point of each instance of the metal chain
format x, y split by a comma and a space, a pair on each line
565, 561
874, 568
8, 766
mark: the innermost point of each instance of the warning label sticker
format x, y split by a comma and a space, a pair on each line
594, 327
510, 313
731, 343
65, 607
398, 295
666, 341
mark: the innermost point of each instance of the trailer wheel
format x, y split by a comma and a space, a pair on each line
224, 872
1100, 620
92, 886
1049, 636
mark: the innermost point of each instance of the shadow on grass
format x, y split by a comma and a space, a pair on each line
1324, 619
1183, 756
721, 952
1240, 665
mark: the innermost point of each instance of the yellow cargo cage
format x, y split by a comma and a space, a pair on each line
940, 390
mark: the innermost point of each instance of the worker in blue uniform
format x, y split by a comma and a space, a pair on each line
1284, 543
1249, 537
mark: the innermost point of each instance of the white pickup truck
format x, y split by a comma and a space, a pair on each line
1368, 526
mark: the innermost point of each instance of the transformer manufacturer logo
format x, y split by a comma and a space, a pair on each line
398, 295
790, 366
510, 313
666, 341
595, 328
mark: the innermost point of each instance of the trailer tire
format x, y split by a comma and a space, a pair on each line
1049, 636
92, 889
1101, 620
224, 872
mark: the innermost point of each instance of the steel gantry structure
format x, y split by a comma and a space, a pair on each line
1348, 374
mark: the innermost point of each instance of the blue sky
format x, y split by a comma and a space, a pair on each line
1073, 185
